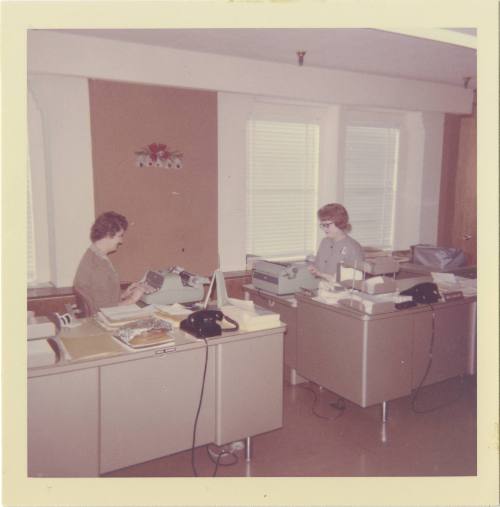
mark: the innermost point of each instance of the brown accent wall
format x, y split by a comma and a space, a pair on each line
448, 177
172, 213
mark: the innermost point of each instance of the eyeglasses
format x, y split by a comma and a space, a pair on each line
325, 225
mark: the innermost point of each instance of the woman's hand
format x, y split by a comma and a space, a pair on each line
133, 293
325, 276
314, 270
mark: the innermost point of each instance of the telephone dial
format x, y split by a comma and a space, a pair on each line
204, 323
424, 293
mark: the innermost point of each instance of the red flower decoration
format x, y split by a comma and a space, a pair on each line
158, 151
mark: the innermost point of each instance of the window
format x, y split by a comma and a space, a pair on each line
31, 275
370, 177
281, 187
38, 262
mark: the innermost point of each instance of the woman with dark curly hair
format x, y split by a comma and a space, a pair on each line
96, 281
337, 246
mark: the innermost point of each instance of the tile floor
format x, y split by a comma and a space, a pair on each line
319, 440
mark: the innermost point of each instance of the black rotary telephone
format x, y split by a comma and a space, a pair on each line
203, 324
424, 293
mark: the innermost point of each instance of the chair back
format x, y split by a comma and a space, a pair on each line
83, 306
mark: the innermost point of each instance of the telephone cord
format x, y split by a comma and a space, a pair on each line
193, 465
339, 405
429, 364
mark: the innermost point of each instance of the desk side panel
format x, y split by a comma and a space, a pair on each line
451, 349
387, 369
249, 387
63, 422
330, 349
148, 407
288, 315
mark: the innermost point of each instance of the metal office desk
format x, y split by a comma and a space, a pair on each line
370, 359
89, 417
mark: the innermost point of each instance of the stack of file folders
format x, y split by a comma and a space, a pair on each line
252, 318
115, 316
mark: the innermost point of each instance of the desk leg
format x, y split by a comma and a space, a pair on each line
295, 378
384, 411
248, 448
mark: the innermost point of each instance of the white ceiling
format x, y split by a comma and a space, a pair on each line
372, 51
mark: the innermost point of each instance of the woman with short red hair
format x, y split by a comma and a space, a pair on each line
337, 247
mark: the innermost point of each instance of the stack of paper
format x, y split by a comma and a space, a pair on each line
468, 286
373, 304
117, 316
448, 282
252, 320
172, 313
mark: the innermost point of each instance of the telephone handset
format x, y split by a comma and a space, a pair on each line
203, 323
424, 293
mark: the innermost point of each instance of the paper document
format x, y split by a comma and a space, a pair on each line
252, 320
448, 282
173, 314
126, 312
374, 280
175, 309
246, 304
443, 278
350, 274
91, 346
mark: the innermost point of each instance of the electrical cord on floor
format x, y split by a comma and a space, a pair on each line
217, 456
338, 405
211, 454
193, 465
427, 369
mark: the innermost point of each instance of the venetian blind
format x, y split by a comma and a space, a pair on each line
282, 176
370, 181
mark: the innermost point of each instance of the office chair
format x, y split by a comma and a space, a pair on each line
82, 304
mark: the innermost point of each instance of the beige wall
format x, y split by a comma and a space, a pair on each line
69, 61
62, 183
173, 213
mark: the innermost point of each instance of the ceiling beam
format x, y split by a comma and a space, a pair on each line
450, 36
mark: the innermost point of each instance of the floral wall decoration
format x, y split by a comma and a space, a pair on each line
158, 155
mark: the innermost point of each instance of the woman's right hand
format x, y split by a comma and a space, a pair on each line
134, 293
313, 270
